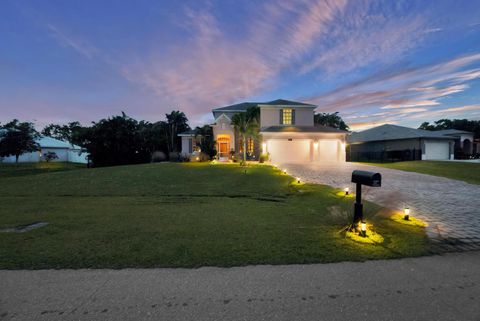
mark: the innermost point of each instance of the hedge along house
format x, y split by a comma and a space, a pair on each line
398, 143
287, 134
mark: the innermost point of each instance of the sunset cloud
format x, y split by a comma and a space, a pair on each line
376, 61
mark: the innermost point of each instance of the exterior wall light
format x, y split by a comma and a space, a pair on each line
363, 229
406, 213
347, 190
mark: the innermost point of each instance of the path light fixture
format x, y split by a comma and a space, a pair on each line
298, 180
285, 171
363, 229
347, 190
406, 213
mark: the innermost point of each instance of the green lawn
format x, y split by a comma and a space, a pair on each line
22, 169
468, 172
183, 215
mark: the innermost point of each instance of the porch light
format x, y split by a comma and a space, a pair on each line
347, 190
406, 213
363, 229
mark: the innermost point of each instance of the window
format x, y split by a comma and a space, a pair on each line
250, 146
287, 117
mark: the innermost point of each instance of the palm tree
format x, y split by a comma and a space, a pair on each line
177, 122
246, 124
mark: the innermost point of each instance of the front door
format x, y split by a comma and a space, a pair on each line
223, 142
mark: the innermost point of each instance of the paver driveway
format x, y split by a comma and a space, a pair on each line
451, 207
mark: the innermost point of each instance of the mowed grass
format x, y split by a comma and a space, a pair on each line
468, 172
23, 169
184, 215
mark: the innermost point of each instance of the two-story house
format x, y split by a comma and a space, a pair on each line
287, 129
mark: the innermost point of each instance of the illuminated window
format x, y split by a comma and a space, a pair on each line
250, 146
287, 116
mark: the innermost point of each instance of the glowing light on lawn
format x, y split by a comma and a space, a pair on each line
363, 229
284, 171
347, 190
298, 180
406, 213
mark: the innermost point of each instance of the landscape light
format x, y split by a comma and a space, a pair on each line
298, 180
346, 189
363, 229
284, 171
406, 213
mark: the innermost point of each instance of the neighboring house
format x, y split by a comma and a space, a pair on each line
287, 132
393, 143
65, 152
464, 142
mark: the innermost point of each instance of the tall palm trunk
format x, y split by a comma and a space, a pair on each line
244, 149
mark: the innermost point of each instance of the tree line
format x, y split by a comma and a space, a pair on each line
117, 140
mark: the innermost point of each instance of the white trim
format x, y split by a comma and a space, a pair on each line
224, 116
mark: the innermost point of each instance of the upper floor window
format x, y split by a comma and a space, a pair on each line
287, 116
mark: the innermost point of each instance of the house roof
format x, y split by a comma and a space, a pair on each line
245, 105
392, 132
453, 132
49, 142
188, 133
301, 129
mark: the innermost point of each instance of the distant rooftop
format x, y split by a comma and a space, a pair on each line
452, 132
278, 102
393, 132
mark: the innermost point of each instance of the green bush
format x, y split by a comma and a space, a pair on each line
263, 158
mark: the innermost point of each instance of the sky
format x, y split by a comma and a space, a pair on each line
375, 62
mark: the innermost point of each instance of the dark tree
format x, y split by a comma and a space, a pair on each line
177, 122
70, 132
460, 124
17, 138
206, 142
115, 141
330, 119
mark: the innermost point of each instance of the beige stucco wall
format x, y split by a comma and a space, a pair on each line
271, 116
226, 129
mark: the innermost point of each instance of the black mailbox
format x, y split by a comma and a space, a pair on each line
367, 178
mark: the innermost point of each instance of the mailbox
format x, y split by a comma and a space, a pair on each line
367, 178
363, 178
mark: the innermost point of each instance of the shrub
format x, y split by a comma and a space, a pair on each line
174, 156
49, 156
158, 156
263, 158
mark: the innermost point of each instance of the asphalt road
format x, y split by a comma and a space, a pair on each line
429, 288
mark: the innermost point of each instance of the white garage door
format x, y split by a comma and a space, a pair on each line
436, 150
285, 151
328, 150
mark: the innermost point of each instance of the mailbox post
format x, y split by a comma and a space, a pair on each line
363, 178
